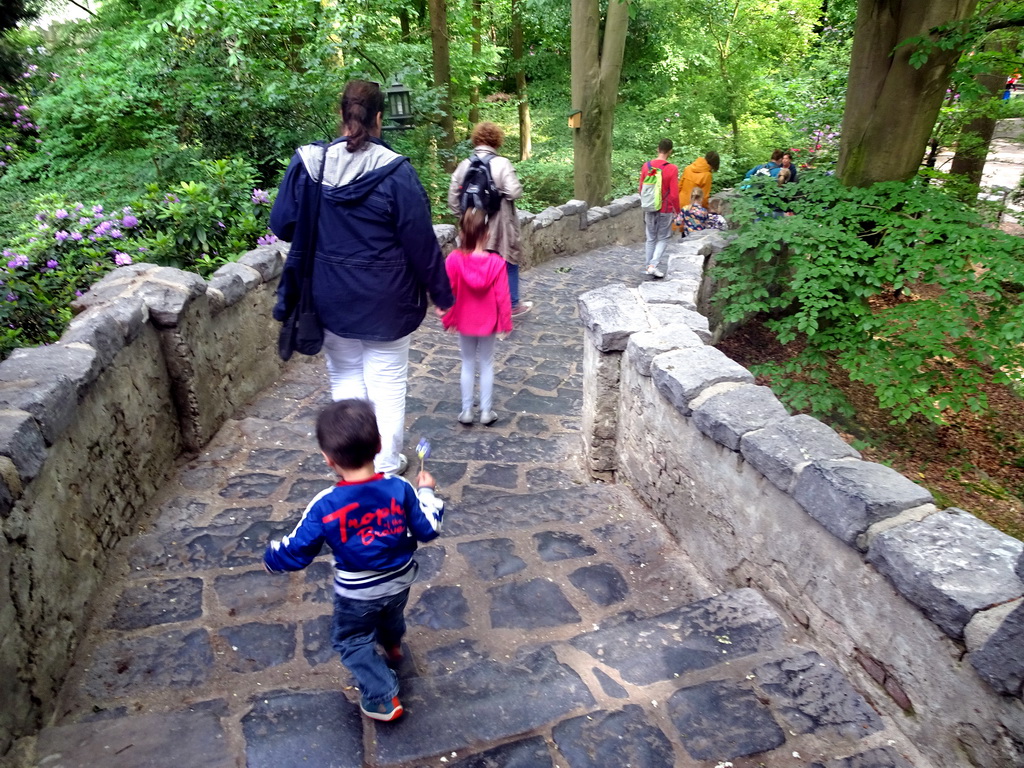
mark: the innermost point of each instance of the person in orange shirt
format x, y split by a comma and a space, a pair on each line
698, 174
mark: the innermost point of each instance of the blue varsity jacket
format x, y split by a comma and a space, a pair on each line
371, 526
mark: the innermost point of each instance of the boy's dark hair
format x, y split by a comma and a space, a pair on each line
712, 160
347, 432
473, 229
776, 155
665, 145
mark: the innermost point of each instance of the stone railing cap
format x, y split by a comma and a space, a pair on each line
779, 450
951, 565
683, 374
847, 496
611, 314
728, 416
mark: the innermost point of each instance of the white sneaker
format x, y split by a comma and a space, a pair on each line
488, 417
522, 308
466, 417
653, 271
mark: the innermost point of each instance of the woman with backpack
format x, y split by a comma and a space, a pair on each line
487, 171
374, 262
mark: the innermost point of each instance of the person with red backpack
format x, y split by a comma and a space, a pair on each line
660, 204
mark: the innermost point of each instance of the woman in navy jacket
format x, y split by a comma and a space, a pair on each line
376, 260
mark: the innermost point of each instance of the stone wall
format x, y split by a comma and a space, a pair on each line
154, 362
922, 607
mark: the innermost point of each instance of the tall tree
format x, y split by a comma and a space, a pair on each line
443, 73
891, 104
596, 66
525, 124
976, 135
474, 94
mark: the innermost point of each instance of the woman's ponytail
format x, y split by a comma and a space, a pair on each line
361, 102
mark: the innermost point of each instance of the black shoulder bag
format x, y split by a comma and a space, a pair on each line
301, 330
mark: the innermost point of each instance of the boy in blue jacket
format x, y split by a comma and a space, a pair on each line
371, 521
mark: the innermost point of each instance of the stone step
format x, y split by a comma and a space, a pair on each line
726, 681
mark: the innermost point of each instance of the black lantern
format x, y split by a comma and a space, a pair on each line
399, 107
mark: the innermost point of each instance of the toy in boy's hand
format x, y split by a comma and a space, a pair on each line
423, 451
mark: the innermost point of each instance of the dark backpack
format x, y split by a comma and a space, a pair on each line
478, 190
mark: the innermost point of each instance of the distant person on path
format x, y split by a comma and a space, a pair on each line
376, 260
698, 174
771, 168
658, 224
482, 310
696, 217
371, 522
504, 236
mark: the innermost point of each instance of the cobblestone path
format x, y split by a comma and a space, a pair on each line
556, 623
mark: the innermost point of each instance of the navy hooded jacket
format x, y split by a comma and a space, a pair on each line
377, 257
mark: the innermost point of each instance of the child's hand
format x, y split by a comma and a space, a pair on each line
440, 312
425, 480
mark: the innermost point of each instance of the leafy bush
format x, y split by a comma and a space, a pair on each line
200, 225
898, 283
57, 255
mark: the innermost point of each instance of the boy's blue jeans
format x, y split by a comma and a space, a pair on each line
357, 628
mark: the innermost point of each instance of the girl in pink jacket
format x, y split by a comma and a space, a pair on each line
482, 310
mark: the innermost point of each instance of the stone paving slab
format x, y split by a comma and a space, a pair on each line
555, 622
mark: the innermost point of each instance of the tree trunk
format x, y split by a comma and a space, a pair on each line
890, 106
443, 76
976, 136
595, 85
474, 94
403, 20
525, 125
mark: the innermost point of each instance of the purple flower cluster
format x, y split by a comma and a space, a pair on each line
122, 259
260, 197
267, 239
18, 261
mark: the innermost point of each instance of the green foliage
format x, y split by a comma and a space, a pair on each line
200, 225
897, 283
56, 255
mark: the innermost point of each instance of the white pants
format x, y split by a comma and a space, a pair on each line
471, 348
376, 371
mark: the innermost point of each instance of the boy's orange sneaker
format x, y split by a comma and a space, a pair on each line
385, 711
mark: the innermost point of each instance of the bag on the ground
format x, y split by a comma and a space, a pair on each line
478, 189
650, 189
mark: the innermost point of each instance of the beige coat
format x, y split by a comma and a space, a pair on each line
503, 236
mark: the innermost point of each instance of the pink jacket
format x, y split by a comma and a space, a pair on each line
482, 302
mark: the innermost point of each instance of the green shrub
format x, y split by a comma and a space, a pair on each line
898, 283
200, 225
56, 256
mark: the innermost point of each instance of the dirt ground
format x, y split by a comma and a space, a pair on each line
974, 461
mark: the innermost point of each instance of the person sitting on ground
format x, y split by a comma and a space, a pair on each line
504, 237
699, 173
658, 224
771, 168
371, 522
787, 163
696, 217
